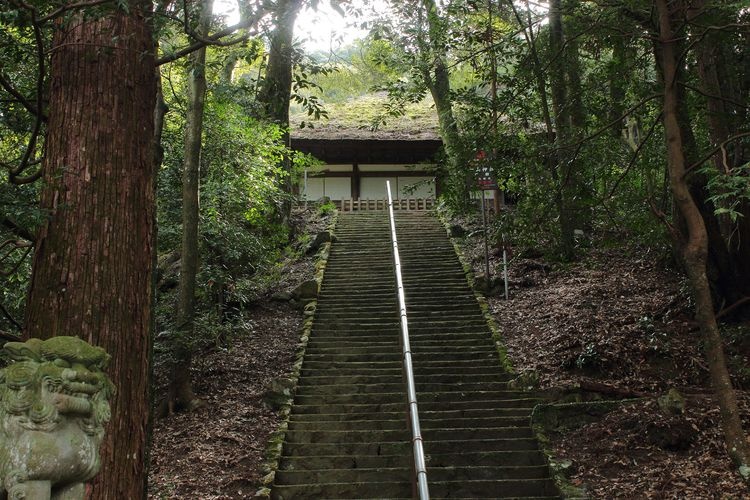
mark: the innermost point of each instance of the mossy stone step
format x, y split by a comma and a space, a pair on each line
489, 427
511, 488
524, 404
364, 367
366, 308
448, 399
494, 458
348, 368
344, 462
429, 357
320, 491
475, 472
437, 350
500, 388
471, 327
431, 435
347, 437
397, 424
371, 315
347, 433
358, 475
334, 295
370, 448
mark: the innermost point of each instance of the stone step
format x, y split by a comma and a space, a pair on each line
443, 378
307, 389
525, 404
512, 488
431, 436
386, 342
418, 356
378, 489
434, 460
361, 475
449, 399
358, 475
372, 447
348, 431
345, 462
400, 423
313, 369
364, 367
348, 437
437, 350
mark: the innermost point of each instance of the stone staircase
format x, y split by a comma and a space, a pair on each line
348, 435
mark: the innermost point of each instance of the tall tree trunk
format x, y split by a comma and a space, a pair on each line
581, 182
694, 244
732, 238
561, 108
93, 264
541, 85
180, 393
616, 85
275, 93
437, 78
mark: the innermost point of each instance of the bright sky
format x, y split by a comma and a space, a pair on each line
323, 29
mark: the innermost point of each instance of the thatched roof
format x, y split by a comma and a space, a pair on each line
354, 120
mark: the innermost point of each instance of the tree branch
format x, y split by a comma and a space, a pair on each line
215, 39
635, 155
9, 317
13, 174
728, 309
5, 83
713, 96
17, 229
609, 125
715, 150
72, 6
9, 336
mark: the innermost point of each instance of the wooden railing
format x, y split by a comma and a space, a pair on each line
351, 205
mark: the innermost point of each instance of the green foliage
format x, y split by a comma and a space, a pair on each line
240, 238
728, 190
326, 208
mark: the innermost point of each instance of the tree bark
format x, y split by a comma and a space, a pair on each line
437, 79
180, 393
561, 110
732, 238
93, 265
694, 244
276, 90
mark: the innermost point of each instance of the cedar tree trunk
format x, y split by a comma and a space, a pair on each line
92, 271
180, 392
694, 244
276, 91
561, 108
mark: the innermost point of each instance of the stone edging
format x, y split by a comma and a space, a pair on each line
505, 361
274, 449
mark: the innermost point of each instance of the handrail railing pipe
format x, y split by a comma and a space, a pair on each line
420, 467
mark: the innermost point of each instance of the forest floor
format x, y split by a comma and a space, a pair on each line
617, 320
216, 451
614, 325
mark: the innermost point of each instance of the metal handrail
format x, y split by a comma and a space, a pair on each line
420, 467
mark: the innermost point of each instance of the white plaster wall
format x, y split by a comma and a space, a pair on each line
374, 187
315, 188
425, 187
338, 188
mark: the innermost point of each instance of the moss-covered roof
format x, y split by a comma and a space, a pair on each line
354, 119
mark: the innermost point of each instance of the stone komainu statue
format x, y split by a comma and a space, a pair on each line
53, 407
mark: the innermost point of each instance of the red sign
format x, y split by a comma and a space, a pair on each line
485, 182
